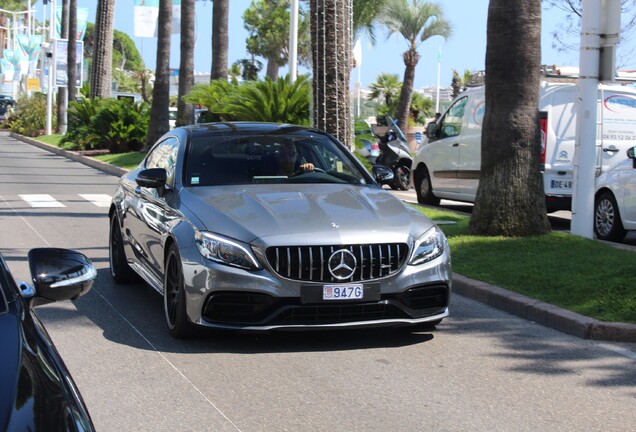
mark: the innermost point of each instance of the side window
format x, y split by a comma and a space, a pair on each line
165, 156
451, 124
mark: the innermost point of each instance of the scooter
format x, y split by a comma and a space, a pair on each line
395, 154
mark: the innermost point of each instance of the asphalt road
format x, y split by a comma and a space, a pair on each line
481, 370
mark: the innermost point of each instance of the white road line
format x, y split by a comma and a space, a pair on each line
100, 200
26, 222
41, 200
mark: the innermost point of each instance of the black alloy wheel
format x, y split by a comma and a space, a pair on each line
424, 189
607, 219
120, 271
174, 299
402, 179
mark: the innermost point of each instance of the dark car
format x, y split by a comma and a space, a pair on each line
37, 392
259, 226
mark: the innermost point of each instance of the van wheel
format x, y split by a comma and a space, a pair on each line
424, 189
607, 219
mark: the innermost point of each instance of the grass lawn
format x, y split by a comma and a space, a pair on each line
578, 274
128, 161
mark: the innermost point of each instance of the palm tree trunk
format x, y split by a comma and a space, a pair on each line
510, 199
331, 34
411, 57
272, 69
185, 111
102, 66
159, 122
72, 51
220, 14
62, 92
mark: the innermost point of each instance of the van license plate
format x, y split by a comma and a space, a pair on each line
342, 292
561, 184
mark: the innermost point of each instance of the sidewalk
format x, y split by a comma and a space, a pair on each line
513, 303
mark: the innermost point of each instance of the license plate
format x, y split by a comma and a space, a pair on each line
561, 184
342, 292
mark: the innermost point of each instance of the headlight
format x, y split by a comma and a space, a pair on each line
225, 251
429, 246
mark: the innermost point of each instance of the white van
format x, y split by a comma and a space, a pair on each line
448, 163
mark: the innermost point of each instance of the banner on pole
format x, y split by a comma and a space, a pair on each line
146, 17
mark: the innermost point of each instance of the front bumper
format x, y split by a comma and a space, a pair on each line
218, 296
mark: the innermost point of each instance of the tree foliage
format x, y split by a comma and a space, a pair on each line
416, 21
566, 36
267, 22
265, 100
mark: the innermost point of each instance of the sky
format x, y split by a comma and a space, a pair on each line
465, 50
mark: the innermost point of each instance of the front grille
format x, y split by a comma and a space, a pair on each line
311, 263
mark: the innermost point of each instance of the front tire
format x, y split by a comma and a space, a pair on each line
174, 299
424, 188
607, 219
402, 178
120, 271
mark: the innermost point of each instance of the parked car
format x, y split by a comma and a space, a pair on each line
38, 393
214, 221
447, 165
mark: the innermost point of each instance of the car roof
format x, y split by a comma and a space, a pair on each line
224, 128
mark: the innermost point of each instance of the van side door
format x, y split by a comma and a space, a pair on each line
470, 147
443, 150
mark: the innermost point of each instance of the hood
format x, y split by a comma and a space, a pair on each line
305, 213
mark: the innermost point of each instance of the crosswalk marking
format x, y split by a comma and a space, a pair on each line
41, 200
100, 200
45, 200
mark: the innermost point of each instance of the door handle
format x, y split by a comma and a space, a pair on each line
455, 144
610, 150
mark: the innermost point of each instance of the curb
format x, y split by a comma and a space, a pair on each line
516, 304
543, 313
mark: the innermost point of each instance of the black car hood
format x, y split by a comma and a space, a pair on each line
325, 213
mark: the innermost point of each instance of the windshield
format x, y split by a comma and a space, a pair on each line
298, 157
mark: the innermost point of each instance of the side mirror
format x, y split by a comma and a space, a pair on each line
60, 274
152, 178
631, 153
382, 174
431, 130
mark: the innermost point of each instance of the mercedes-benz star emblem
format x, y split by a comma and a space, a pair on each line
342, 264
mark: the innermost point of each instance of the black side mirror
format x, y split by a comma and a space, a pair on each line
431, 130
152, 178
631, 153
60, 274
382, 174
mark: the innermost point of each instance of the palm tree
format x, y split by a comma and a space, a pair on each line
459, 82
416, 21
62, 93
102, 66
185, 113
159, 123
72, 51
365, 14
510, 199
386, 86
220, 16
332, 43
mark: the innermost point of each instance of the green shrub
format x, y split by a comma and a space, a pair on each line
278, 101
116, 125
29, 118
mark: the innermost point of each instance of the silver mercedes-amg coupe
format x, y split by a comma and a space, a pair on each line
259, 226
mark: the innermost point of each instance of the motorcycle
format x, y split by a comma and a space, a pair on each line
395, 154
